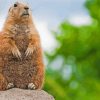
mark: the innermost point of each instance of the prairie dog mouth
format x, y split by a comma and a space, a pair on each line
25, 14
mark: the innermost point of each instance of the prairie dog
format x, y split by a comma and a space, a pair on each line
21, 61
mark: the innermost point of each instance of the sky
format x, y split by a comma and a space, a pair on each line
49, 14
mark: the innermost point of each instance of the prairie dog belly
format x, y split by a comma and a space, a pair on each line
20, 71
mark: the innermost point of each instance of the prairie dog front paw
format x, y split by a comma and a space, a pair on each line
29, 51
16, 52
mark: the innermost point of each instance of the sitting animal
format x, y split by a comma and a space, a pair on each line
21, 61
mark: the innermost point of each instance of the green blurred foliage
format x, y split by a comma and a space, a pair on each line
78, 75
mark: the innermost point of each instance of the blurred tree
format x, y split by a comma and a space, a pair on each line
77, 60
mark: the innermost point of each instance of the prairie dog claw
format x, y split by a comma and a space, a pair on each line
10, 85
29, 51
16, 52
31, 86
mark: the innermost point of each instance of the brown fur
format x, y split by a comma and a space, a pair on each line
21, 60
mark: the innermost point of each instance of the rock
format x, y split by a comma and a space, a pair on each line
19, 94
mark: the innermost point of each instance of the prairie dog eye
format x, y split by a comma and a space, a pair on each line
15, 5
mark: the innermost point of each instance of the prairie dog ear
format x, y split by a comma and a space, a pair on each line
10, 12
9, 9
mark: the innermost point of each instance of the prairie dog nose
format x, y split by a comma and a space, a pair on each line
26, 8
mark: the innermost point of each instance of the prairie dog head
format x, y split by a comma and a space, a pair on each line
19, 12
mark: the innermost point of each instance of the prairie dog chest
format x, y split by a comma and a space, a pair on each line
21, 36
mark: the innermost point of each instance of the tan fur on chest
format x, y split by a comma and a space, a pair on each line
20, 37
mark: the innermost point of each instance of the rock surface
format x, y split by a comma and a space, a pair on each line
19, 94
